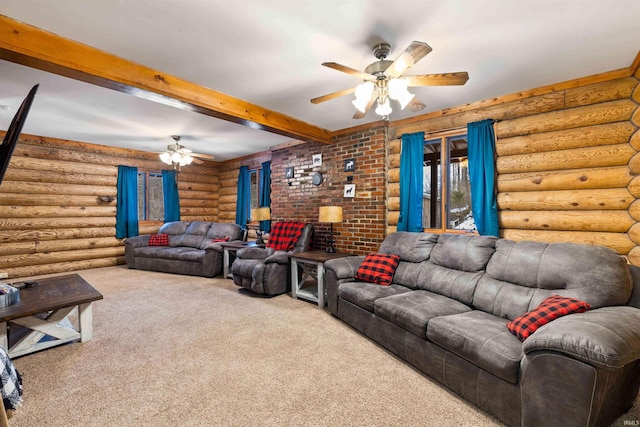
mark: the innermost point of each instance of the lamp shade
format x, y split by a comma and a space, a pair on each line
261, 214
330, 214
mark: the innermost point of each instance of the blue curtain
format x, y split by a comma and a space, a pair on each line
170, 196
411, 182
482, 174
243, 201
127, 208
265, 192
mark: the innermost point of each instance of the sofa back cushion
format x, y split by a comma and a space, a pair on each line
175, 230
409, 246
413, 248
225, 229
520, 275
456, 265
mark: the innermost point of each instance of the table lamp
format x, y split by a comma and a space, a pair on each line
260, 214
330, 214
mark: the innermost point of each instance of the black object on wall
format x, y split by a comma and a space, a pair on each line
11, 138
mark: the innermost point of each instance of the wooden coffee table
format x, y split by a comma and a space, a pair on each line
39, 320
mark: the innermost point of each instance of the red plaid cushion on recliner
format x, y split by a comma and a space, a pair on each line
284, 235
378, 268
159, 240
550, 309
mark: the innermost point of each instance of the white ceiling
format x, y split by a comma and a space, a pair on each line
269, 52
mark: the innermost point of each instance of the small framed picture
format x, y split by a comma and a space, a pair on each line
350, 190
350, 165
288, 172
316, 160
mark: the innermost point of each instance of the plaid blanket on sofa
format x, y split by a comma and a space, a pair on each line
284, 235
10, 382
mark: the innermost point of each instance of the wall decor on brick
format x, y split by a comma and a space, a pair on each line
350, 165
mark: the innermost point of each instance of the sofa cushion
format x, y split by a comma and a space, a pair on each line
378, 268
364, 294
189, 240
550, 309
199, 228
413, 310
161, 239
521, 275
193, 255
160, 252
464, 253
411, 247
175, 227
482, 339
224, 229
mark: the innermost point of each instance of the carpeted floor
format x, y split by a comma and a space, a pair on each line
172, 350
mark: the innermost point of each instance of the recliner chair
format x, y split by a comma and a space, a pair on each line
266, 270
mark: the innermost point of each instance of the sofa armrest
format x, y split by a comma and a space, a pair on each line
277, 257
344, 268
253, 253
137, 241
607, 336
337, 271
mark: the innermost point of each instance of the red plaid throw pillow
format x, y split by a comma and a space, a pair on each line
220, 239
550, 309
378, 268
159, 240
284, 235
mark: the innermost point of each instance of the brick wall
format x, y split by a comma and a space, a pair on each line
364, 223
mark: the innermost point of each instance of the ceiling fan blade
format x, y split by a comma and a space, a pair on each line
359, 114
415, 105
196, 160
349, 70
202, 156
333, 95
412, 54
445, 79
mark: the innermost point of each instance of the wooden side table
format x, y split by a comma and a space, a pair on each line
310, 261
230, 248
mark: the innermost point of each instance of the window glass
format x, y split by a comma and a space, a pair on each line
150, 196
155, 198
460, 216
446, 185
255, 200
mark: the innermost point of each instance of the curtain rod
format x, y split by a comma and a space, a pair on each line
447, 130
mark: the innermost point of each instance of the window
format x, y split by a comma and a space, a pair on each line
150, 196
255, 191
446, 185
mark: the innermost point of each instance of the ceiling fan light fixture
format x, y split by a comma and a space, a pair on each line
363, 95
166, 157
383, 108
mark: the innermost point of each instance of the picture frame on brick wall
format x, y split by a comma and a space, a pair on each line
316, 160
288, 172
350, 190
350, 165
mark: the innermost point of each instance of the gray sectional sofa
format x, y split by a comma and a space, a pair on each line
447, 310
191, 248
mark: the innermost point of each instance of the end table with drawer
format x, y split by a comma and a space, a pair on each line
311, 263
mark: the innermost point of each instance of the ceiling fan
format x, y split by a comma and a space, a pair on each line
383, 81
177, 155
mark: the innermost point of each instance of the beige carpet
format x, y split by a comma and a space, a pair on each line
173, 350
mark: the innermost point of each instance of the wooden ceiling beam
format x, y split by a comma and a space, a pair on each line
27, 45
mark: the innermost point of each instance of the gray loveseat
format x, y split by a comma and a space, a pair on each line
191, 248
447, 309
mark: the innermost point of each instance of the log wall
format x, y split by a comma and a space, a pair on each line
567, 161
51, 220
